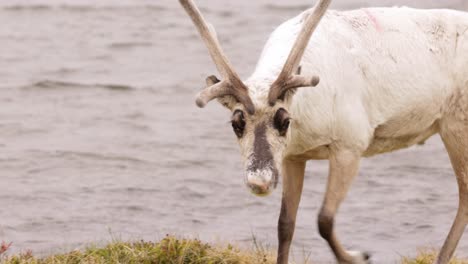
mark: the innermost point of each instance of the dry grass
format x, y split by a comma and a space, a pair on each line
170, 250
428, 257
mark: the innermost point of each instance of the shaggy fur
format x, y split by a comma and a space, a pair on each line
381, 89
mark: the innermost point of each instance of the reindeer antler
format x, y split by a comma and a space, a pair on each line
287, 79
231, 83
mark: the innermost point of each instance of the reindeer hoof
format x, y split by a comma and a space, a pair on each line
360, 257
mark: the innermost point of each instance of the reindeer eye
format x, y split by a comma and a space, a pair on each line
238, 123
281, 121
286, 124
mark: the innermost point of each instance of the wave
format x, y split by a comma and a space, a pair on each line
133, 190
78, 7
53, 84
128, 45
25, 7
97, 156
278, 7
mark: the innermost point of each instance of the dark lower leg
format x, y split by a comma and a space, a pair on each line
293, 177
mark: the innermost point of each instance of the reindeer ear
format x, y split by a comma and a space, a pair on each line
299, 70
287, 96
211, 80
227, 101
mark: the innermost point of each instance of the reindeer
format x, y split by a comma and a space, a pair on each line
390, 78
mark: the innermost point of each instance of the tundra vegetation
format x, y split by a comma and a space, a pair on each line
173, 250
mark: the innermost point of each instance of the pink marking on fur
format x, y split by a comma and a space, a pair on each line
374, 20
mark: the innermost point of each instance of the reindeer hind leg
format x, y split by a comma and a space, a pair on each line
454, 133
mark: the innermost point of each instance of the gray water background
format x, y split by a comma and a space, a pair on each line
100, 137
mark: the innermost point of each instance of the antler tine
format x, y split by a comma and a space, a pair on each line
232, 84
214, 89
287, 79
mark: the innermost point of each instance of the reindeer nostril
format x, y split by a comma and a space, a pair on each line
367, 256
256, 188
259, 187
261, 181
260, 190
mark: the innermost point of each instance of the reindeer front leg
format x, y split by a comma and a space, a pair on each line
344, 166
293, 178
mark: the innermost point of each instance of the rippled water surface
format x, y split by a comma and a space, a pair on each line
100, 137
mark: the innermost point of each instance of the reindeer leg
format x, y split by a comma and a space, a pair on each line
344, 166
455, 138
293, 178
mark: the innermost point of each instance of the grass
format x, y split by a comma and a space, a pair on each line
428, 257
169, 250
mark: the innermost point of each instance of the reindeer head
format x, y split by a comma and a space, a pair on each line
261, 125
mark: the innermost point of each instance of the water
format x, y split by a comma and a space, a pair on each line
100, 137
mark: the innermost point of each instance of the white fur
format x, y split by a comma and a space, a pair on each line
386, 77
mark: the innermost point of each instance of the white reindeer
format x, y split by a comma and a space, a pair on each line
390, 78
